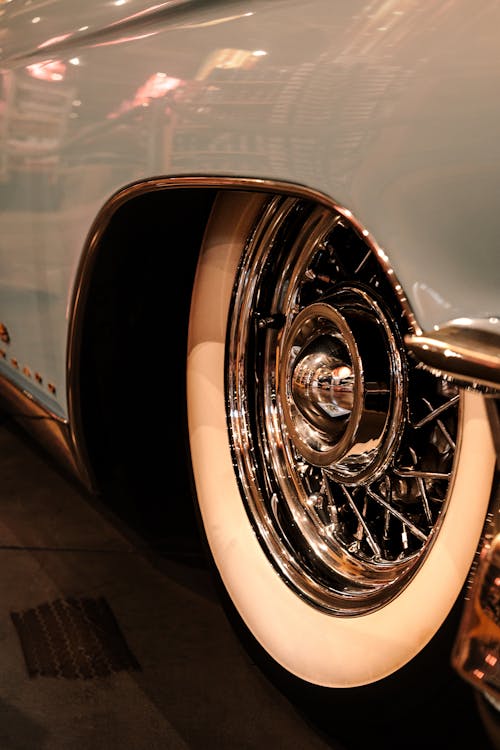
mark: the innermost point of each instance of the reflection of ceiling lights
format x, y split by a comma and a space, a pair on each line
228, 58
53, 40
49, 70
156, 86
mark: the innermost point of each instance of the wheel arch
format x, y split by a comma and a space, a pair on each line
130, 308
142, 201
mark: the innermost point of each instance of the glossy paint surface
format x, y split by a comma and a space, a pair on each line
389, 108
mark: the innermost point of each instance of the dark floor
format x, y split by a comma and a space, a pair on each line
187, 684
196, 688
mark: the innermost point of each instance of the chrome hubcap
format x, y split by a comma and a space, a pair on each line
342, 385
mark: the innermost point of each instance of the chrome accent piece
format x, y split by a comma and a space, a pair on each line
346, 489
337, 418
47, 428
465, 351
320, 383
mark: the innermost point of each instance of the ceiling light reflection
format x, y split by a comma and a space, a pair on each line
49, 70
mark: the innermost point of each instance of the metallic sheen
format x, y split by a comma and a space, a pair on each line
463, 350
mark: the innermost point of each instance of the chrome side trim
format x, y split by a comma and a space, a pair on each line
47, 428
465, 351
90, 249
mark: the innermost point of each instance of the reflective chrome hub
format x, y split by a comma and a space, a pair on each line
342, 385
320, 383
323, 385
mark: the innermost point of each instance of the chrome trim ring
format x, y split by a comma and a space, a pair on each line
342, 385
321, 384
344, 449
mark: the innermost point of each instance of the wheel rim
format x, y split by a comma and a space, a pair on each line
344, 450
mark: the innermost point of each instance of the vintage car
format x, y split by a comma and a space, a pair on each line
249, 253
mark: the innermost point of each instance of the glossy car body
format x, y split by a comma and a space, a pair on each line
382, 112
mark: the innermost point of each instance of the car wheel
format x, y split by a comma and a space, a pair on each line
342, 489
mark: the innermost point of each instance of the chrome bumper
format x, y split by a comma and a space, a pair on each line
476, 652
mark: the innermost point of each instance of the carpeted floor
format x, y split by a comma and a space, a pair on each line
109, 640
106, 643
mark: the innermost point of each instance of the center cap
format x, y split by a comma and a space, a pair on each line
322, 384
340, 374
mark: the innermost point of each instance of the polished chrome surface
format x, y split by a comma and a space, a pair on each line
339, 419
46, 427
465, 350
346, 488
322, 383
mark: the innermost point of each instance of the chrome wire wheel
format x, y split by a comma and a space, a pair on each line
344, 450
333, 476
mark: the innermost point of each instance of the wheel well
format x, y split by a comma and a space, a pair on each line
133, 352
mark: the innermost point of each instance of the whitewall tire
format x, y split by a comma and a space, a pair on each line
269, 474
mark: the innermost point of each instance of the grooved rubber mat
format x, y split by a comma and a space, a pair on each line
74, 639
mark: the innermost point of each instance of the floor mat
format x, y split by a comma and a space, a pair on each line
74, 639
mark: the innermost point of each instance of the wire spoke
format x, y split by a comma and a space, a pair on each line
435, 412
365, 259
369, 538
405, 521
425, 500
331, 506
441, 425
416, 474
